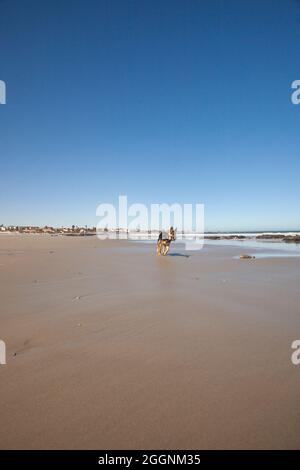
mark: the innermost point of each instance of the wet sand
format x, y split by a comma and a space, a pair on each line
112, 347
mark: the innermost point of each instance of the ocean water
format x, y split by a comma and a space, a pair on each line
256, 247
273, 245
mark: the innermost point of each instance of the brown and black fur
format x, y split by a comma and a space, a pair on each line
163, 244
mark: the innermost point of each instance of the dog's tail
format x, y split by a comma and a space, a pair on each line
159, 236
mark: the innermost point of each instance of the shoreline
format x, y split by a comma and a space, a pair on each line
289, 236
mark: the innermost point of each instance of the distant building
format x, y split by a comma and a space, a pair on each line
47, 229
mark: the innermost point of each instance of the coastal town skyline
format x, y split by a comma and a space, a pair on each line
286, 235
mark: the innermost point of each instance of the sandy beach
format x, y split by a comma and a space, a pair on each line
112, 347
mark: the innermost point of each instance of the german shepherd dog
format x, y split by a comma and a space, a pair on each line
163, 244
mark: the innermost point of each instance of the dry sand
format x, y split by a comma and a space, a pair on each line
109, 346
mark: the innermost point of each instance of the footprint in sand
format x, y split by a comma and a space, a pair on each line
27, 344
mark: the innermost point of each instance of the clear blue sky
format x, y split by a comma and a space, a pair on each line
165, 101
